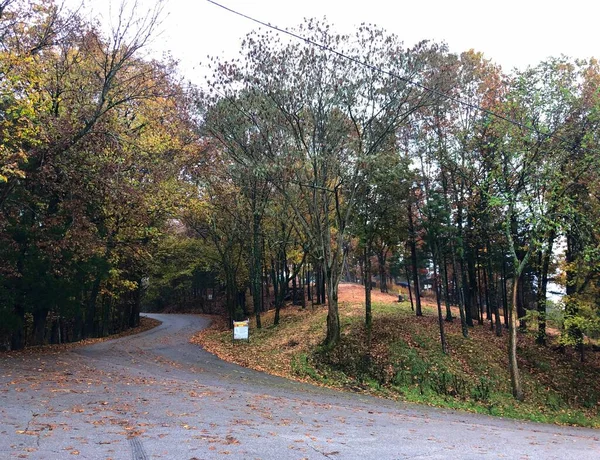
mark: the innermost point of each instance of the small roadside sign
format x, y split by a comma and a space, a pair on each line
241, 330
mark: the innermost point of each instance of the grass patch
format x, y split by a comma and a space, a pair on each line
404, 361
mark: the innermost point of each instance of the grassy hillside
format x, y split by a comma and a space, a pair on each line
404, 361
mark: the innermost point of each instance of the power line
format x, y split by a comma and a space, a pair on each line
377, 69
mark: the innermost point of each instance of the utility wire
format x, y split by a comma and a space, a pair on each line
378, 69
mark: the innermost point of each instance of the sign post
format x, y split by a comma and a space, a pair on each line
241, 330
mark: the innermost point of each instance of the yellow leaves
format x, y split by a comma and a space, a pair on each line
12, 158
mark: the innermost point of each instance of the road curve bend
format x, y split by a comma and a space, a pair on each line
156, 396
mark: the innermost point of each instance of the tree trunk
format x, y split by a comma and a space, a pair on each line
504, 294
472, 309
318, 285
571, 308
39, 325
466, 293
515, 378
324, 287
276, 291
465, 289
494, 297
382, 260
103, 329
439, 306
521, 311
486, 290
241, 302
413, 257
308, 288
368, 313
412, 306
303, 288
256, 272
449, 316
267, 289
294, 286
461, 299
333, 317
90, 314
481, 295
230, 294
542, 288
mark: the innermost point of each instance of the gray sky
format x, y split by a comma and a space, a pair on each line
513, 33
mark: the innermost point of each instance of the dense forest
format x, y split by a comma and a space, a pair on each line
92, 135
301, 164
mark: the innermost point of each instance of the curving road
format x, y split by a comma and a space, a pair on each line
156, 396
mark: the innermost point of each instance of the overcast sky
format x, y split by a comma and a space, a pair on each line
513, 33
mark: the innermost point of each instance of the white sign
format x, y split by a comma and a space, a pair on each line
240, 330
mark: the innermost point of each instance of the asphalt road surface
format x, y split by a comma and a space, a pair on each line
156, 396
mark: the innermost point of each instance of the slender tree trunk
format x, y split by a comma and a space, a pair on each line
294, 286
542, 288
103, 328
504, 294
361, 267
449, 316
465, 290
515, 378
466, 293
267, 299
333, 317
39, 325
439, 306
303, 287
241, 302
368, 313
486, 291
461, 301
480, 295
415, 267
412, 306
19, 337
494, 296
308, 288
318, 285
230, 294
571, 307
324, 288
256, 271
521, 311
277, 288
90, 314
382, 260
473, 311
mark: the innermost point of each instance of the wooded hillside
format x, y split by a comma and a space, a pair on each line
296, 166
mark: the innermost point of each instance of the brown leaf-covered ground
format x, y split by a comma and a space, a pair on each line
145, 325
404, 360
155, 395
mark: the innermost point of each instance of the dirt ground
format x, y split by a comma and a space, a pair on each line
355, 293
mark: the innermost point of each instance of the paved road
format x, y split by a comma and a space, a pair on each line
156, 396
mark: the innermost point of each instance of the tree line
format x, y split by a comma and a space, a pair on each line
92, 133
412, 157
296, 166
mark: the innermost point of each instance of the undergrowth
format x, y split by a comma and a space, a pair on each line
403, 360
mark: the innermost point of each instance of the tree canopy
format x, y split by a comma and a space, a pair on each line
337, 158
